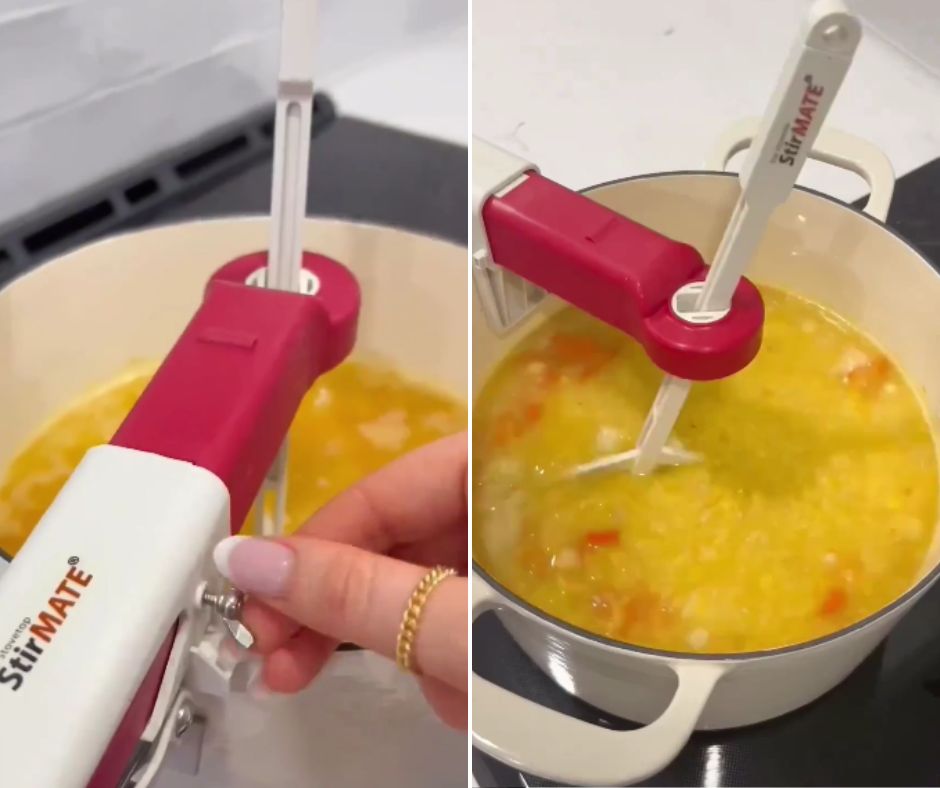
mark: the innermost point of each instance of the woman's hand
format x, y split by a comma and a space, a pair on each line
347, 575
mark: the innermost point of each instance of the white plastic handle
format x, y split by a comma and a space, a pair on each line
832, 146
540, 741
803, 96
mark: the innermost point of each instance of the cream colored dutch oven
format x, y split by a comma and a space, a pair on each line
833, 254
77, 322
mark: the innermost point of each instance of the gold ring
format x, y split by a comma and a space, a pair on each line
404, 647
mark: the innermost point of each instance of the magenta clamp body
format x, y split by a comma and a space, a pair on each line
622, 273
224, 399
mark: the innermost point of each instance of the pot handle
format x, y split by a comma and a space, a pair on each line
538, 740
832, 147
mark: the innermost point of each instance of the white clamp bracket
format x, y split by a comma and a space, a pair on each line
204, 661
506, 299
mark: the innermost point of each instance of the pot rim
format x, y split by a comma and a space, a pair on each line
255, 218
743, 656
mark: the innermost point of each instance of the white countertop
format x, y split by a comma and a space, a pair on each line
109, 86
599, 90
421, 88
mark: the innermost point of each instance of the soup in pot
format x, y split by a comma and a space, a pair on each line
354, 420
814, 506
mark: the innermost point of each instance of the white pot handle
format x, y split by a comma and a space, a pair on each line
832, 147
540, 741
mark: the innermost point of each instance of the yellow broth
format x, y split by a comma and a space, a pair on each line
354, 420
814, 506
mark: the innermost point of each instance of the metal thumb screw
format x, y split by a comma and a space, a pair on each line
228, 605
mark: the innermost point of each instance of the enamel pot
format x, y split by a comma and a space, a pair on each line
838, 256
80, 321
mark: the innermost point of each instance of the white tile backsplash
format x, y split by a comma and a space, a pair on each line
94, 86
600, 90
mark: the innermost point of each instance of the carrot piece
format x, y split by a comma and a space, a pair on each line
571, 348
834, 603
503, 431
597, 539
642, 613
507, 427
550, 378
532, 414
871, 377
581, 352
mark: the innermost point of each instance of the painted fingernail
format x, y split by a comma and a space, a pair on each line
256, 566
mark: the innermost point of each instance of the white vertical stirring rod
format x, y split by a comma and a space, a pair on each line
807, 87
292, 123
291, 143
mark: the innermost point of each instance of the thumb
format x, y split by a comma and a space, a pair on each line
353, 595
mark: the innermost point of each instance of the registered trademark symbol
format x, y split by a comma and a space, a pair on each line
73, 560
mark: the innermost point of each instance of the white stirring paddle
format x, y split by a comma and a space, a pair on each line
289, 198
807, 87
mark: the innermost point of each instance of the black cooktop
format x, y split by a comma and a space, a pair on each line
881, 727
358, 170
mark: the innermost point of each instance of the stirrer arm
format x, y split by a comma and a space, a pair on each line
226, 394
611, 267
291, 143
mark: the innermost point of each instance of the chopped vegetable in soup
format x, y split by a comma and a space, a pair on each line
814, 506
354, 420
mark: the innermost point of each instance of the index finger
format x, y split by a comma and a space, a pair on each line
414, 498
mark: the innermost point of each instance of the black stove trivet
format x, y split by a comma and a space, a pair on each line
881, 727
